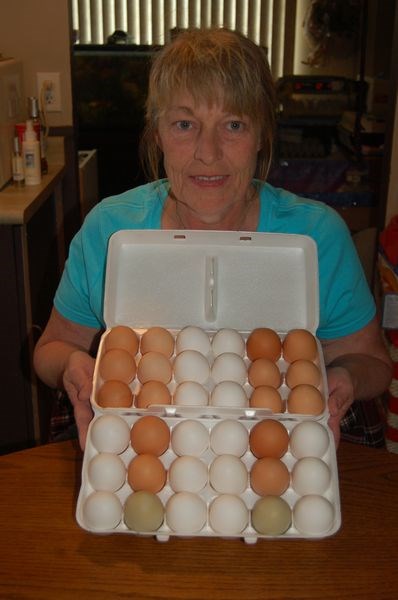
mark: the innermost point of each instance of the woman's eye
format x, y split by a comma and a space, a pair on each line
184, 125
235, 125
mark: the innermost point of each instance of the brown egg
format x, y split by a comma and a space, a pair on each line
264, 371
305, 399
146, 472
266, 396
117, 364
269, 476
157, 339
154, 366
114, 394
150, 435
302, 371
123, 337
299, 343
263, 343
268, 438
152, 392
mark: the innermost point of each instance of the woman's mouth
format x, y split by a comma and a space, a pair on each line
208, 180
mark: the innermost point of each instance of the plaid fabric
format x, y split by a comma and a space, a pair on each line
62, 426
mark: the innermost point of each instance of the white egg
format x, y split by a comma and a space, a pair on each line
313, 515
191, 365
190, 393
186, 512
228, 515
228, 475
110, 433
229, 367
228, 340
189, 437
102, 511
187, 474
106, 472
193, 338
229, 437
229, 393
309, 438
310, 475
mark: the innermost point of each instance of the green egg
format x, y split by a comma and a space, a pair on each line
143, 512
271, 515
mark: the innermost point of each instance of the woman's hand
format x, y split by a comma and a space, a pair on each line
78, 383
341, 396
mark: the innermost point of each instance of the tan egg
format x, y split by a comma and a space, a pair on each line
152, 392
264, 371
146, 472
268, 438
305, 399
299, 343
269, 476
117, 364
154, 366
157, 339
266, 396
302, 371
114, 394
150, 435
263, 342
123, 337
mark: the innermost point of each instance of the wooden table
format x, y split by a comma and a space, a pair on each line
44, 554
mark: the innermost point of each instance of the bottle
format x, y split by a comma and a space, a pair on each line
31, 155
34, 115
18, 175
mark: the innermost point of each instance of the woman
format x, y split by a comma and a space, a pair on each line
210, 126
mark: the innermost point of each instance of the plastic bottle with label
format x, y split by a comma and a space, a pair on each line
31, 155
18, 175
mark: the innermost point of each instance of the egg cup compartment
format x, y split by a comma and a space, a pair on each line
208, 494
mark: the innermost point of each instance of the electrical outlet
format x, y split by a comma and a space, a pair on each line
49, 91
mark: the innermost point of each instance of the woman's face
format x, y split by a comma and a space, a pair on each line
209, 156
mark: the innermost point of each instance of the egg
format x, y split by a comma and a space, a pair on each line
228, 340
263, 342
228, 514
191, 365
109, 433
117, 364
157, 339
299, 344
310, 475
266, 396
228, 393
269, 476
309, 438
122, 337
152, 392
106, 472
154, 366
190, 393
313, 515
269, 438
150, 435
302, 371
193, 338
143, 512
187, 474
229, 367
189, 437
102, 511
264, 372
146, 472
271, 515
229, 437
228, 474
186, 513
114, 394
305, 399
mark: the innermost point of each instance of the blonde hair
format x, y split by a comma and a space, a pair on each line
203, 61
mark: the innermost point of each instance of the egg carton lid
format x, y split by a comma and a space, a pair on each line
212, 279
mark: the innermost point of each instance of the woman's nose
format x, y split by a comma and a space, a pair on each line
208, 148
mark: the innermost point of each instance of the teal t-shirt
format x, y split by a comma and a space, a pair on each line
346, 303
